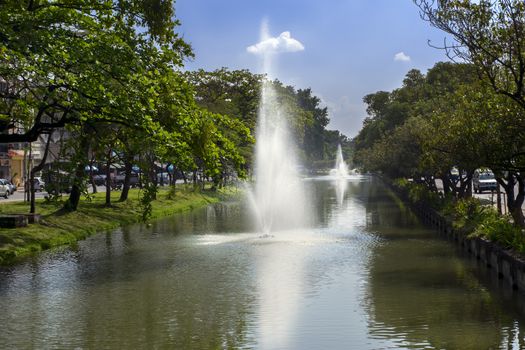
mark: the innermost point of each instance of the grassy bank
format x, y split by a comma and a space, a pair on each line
59, 228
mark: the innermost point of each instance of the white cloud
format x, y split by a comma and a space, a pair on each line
401, 56
283, 43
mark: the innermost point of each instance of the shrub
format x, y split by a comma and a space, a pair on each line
420, 193
401, 183
469, 213
500, 229
172, 192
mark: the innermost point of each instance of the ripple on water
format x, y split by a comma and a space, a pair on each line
365, 276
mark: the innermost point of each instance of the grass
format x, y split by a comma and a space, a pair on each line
59, 228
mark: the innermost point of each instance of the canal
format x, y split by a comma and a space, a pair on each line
365, 275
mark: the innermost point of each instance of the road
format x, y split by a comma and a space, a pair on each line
18, 196
487, 197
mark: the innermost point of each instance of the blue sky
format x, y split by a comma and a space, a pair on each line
349, 45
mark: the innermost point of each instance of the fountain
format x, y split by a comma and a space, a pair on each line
278, 195
340, 176
341, 169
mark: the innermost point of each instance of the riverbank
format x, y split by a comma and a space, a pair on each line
496, 244
57, 227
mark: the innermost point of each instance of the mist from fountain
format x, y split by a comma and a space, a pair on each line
341, 169
340, 174
278, 195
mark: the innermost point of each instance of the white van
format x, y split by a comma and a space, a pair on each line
484, 180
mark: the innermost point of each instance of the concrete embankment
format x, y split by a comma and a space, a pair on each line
504, 263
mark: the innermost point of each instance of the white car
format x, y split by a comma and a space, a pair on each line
12, 188
39, 184
5, 190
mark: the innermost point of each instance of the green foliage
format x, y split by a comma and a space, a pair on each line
490, 34
500, 229
404, 136
401, 183
481, 121
236, 94
419, 192
468, 214
172, 192
148, 195
446, 119
110, 73
59, 62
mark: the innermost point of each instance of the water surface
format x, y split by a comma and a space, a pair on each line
366, 275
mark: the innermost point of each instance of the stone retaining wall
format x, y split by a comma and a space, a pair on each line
504, 263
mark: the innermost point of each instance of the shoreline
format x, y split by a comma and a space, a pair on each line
57, 228
505, 264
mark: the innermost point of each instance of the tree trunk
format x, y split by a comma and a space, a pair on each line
465, 188
92, 180
127, 179
108, 179
32, 207
514, 202
498, 199
153, 177
446, 184
36, 169
76, 192
517, 213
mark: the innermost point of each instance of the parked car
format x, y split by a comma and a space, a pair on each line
134, 180
118, 181
4, 188
39, 184
484, 181
55, 181
163, 179
100, 179
454, 174
12, 188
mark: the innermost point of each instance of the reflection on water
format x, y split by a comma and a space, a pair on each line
341, 185
366, 275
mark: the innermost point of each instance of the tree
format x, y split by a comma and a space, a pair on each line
489, 34
398, 153
313, 143
228, 92
58, 60
494, 128
237, 94
232, 93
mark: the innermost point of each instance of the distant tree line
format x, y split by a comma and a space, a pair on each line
109, 73
459, 116
236, 93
